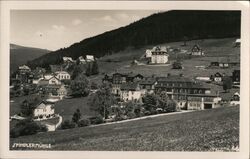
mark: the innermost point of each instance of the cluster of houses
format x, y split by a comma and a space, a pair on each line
160, 54
224, 63
187, 93
218, 77
81, 59
54, 85
48, 83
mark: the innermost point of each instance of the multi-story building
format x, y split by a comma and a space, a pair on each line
119, 78
130, 92
147, 85
197, 51
159, 55
199, 102
44, 110
187, 92
62, 75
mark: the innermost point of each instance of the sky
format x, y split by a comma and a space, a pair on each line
55, 29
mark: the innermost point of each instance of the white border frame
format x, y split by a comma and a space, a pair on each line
6, 6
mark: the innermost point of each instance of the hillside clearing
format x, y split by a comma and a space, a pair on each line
207, 130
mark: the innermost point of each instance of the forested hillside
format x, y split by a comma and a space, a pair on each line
158, 28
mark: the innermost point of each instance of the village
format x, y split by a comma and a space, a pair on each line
122, 95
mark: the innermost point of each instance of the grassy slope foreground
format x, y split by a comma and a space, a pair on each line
208, 130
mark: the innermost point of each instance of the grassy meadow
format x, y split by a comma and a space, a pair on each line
208, 130
214, 50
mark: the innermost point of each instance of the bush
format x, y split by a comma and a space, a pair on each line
131, 115
83, 122
96, 120
68, 125
27, 127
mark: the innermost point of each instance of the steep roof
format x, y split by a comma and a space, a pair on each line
129, 86
67, 59
148, 81
90, 57
43, 104
179, 82
61, 72
23, 67
218, 74
238, 41
196, 46
174, 78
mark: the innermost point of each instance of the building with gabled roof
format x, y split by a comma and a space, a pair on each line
159, 55
81, 60
62, 75
178, 85
117, 79
44, 110
217, 77
197, 50
24, 68
237, 42
147, 85
130, 92
90, 58
50, 81
68, 59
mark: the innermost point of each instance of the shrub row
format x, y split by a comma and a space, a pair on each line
27, 127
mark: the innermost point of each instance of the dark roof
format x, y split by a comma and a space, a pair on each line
148, 81
129, 86
174, 78
218, 74
196, 46
182, 84
45, 102
128, 74
227, 60
197, 95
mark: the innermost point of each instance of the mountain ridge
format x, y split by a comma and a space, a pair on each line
20, 55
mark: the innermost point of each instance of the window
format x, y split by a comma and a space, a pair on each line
195, 91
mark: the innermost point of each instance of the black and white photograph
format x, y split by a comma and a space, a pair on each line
120, 80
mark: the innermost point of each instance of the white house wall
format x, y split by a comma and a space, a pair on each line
47, 110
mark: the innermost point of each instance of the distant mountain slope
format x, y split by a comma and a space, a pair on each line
158, 28
21, 55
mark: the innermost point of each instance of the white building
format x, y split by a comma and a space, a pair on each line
44, 110
148, 53
199, 102
130, 92
67, 59
235, 99
51, 81
81, 60
218, 77
36, 81
47, 76
159, 55
90, 58
62, 75
24, 68
197, 51
237, 42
